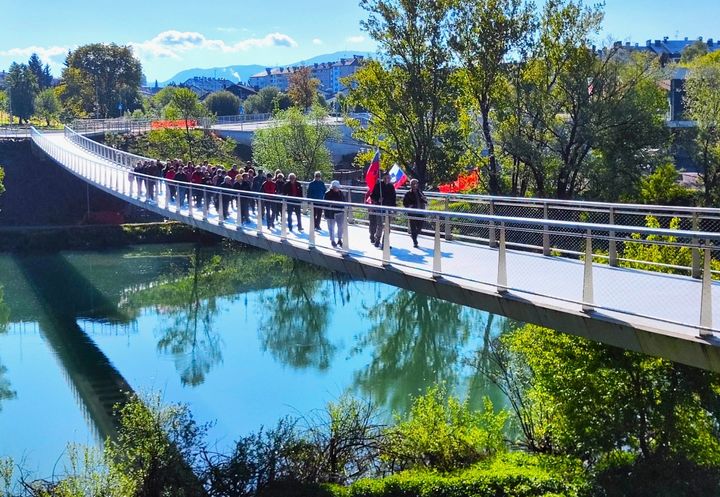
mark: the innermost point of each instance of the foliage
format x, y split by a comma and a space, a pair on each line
223, 103
513, 474
600, 400
47, 105
171, 143
295, 142
42, 74
485, 33
302, 89
408, 91
156, 448
693, 51
188, 106
665, 253
662, 188
443, 433
21, 87
101, 80
267, 100
702, 103
2, 177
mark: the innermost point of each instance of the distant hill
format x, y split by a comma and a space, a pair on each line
242, 73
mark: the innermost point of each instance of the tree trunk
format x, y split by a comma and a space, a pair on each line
493, 173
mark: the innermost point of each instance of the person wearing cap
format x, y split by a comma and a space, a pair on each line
335, 215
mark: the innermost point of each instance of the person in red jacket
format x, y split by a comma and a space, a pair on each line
268, 187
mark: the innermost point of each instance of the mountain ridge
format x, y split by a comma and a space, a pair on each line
241, 73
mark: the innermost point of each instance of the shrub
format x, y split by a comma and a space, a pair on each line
443, 433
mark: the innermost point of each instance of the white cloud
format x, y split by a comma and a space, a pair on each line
317, 41
355, 39
227, 30
46, 54
170, 44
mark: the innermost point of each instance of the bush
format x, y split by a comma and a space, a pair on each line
513, 474
223, 103
440, 432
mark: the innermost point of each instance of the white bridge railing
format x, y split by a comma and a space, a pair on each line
628, 215
581, 280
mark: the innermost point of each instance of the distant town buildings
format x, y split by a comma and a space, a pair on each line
668, 50
330, 75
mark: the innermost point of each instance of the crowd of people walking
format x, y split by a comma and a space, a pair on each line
250, 179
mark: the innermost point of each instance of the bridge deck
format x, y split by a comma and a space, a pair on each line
641, 310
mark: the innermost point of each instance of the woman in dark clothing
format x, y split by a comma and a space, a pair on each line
244, 186
294, 190
269, 187
415, 199
335, 215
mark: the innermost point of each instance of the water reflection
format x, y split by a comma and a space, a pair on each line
6, 392
295, 328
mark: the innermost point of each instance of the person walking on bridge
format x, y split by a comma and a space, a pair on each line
334, 214
316, 191
383, 194
294, 190
268, 187
415, 199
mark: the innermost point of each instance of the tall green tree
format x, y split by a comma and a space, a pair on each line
47, 105
102, 80
188, 105
22, 87
702, 99
485, 34
407, 91
42, 74
295, 142
223, 103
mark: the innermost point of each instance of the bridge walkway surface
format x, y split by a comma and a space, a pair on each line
666, 315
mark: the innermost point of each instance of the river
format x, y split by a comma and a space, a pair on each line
243, 336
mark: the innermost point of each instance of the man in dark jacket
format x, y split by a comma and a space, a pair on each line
415, 199
294, 190
244, 186
383, 194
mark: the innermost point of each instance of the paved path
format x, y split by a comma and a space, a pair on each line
628, 301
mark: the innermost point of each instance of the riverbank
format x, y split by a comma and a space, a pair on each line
93, 237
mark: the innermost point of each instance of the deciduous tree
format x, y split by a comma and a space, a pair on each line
188, 105
223, 103
101, 80
303, 88
267, 100
47, 105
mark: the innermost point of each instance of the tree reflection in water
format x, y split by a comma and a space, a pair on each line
6, 392
416, 341
190, 336
295, 329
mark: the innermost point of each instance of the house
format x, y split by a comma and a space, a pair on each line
241, 91
203, 86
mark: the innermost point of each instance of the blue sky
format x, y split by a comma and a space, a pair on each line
169, 36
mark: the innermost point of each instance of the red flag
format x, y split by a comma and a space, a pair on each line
373, 173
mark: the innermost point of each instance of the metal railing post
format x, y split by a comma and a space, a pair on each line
588, 297
386, 240
502, 282
283, 220
221, 208
706, 294
190, 199
311, 233
696, 258
259, 218
492, 235
546, 231
346, 230
205, 205
448, 233
612, 243
238, 213
437, 251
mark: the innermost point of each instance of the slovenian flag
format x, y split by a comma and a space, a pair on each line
373, 173
397, 176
